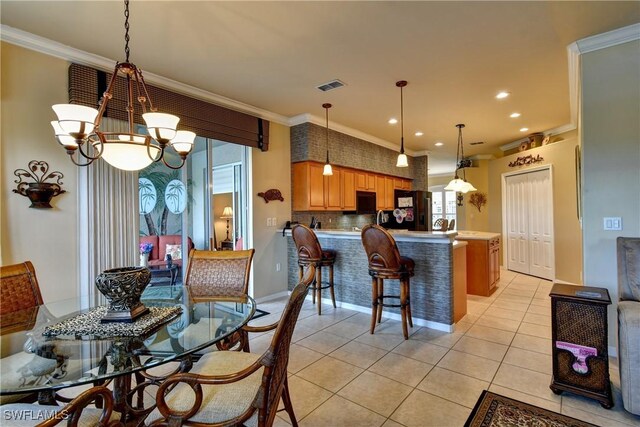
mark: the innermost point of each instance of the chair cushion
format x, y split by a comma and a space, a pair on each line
629, 354
328, 254
407, 263
28, 414
220, 402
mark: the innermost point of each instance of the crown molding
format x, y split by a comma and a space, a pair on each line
608, 39
68, 53
482, 157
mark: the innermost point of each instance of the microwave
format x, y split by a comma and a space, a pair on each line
365, 202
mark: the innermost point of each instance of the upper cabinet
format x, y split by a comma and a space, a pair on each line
313, 191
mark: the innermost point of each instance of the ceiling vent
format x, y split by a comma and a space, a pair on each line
333, 84
477, 143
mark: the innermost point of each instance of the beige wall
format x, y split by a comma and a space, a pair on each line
31, 83
271, 170
567, 234
611, 157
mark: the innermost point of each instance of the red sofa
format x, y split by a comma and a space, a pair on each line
158, 253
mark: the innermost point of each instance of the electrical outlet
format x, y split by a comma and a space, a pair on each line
273, 221
268, 222
612, 223
278, 266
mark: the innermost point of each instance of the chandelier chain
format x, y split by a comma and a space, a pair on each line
126, 30
401, 121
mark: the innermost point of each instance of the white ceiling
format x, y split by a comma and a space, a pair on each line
271, 55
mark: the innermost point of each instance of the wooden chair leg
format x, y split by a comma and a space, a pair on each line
286, 400
313, 290
380, 298
409, 304
333, 295
319, 288
403, 307
374, 302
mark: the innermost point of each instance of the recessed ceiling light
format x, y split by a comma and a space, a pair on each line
502, 95
419, 133
524, 129
439, 144
514, 115
393, 121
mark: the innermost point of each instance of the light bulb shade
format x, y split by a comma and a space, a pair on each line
467, 187
327, 169
63, 138
183, 141
456, 185
127, 155
76, 120
161, 126
227, 212
402, 161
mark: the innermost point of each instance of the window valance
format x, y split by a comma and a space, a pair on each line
87, 84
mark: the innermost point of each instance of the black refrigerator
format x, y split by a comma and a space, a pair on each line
412, 211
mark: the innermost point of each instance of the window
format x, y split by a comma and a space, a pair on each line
443, 203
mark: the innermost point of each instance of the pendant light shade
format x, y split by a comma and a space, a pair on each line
327, 166
402, 158
457, 184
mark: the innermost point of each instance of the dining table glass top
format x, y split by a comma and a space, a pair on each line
31, 361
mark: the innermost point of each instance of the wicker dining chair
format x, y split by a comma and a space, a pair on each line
235, 388
19, 292
452, 225
218, 274
76, 413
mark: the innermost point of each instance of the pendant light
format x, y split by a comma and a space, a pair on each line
78, 127
402, 158
457, 184
327, 166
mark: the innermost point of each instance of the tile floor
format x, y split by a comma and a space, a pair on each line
340, 375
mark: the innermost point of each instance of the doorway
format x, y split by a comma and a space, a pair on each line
527, 212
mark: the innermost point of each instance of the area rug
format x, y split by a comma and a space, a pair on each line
494, 410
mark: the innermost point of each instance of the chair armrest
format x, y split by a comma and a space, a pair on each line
265, 328
73, 410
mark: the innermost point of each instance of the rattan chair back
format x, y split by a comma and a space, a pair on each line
276, 358
441, 224
218, 274
307, 244
19, 288
382, 251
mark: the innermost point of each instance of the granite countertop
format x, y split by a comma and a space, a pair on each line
398, 235
476, 235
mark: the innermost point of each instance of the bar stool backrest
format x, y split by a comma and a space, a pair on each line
381, 248
307, 244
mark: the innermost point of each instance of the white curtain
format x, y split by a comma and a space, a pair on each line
109, 220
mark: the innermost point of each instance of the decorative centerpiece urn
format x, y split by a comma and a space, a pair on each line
123, 288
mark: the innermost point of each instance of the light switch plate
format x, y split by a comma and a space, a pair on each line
612, 223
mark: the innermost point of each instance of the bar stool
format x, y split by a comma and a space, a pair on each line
310, 252
385, 262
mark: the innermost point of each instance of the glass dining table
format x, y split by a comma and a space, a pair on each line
32, 362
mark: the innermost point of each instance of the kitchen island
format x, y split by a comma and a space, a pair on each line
438, 288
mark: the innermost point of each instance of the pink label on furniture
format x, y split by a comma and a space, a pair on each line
580, 352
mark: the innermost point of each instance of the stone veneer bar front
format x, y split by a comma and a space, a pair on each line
431, 287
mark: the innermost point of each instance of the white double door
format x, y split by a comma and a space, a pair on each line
529, 223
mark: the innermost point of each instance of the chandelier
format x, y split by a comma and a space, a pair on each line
402, 158
457, 184
78, 127
327, 166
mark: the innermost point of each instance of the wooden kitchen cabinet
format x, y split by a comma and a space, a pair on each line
365, 181
313, 191
348, 190
401, 184
483, 265
333, 190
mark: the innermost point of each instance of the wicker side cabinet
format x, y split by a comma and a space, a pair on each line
580, 342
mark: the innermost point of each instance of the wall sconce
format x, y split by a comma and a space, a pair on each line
39, 192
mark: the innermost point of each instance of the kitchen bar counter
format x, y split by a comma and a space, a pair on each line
432, 287
476, 235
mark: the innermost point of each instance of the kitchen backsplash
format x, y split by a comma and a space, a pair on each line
334, 220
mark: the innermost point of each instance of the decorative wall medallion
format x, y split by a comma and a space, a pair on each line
175, 196
526, 160
148, 195
39, 192
272, 194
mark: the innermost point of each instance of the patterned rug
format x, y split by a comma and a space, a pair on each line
494, 410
